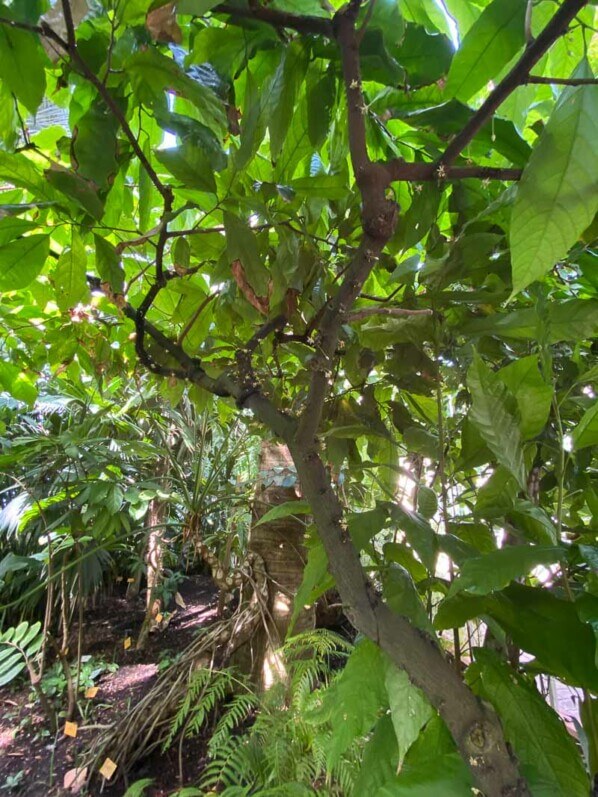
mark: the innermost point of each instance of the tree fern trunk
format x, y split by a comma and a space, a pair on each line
280, 544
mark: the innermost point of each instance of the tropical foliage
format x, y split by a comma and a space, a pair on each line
368, 230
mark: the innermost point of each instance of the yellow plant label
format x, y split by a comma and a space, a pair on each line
70, 729
127, 643
130, 581
159, 618
91, 692
108, 769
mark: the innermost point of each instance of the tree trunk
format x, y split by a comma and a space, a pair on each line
280, 544
154, 561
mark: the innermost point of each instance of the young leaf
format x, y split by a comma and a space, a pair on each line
548, 754
494, 412
557, 197
493, 39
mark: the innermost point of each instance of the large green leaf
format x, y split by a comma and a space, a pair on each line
17, 382
282, 94
557, 197
83, 192
586, 431
241, 245
493, 39
495, 414
22, 260
351, 709
287, 509
22, 63
548, 754
97, 163
572, 319
496, 569
70, 282
108, 264
550, 629
409, 708
153, 75
402, 597
316, 580
533, 395
189, 165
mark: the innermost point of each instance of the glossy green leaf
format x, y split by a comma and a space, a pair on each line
22, 260
153, 75
495, 414
490, 43
321, 95
557, 198
546, 750
496, 569
93, 162
363, 526
550, 629
327, 186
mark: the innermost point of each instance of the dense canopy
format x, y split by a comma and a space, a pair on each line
370, 231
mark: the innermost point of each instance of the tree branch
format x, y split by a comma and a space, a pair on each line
516, 77
70, 25
424, 172
71, 50
279, 19
476, 729
379, 219
395, 312
562, 81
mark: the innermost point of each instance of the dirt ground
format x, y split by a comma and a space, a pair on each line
34, 764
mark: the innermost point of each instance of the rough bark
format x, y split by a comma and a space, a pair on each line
154, 562
280, 544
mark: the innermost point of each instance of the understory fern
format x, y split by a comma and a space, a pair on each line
285, 752
207, 689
